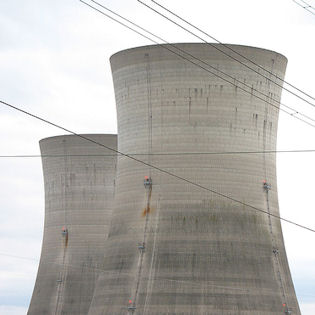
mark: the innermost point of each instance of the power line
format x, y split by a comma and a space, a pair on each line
231, 49
306, 6
295, 112
159, 154
235, 59
227, 46
156, 167
18, 257
192, 62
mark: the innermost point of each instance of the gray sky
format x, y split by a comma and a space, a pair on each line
54, 63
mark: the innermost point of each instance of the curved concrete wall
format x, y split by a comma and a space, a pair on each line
79, 191
174, 248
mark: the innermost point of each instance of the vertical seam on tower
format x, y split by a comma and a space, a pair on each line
150, 284
132, 309
62, 272
275, 251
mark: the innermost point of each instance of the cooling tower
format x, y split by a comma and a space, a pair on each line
176, 248
79, 178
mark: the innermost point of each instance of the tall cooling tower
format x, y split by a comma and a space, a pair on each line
79, 179
175, 248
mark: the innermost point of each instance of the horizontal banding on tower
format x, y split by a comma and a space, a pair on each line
79, 181
204, 254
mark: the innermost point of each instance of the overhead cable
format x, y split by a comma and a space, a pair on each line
231, 49
159, 154
165, 46
306, 6
161, 170
294, 111
222, 51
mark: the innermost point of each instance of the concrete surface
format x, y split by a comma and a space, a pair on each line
79, 191
174, 248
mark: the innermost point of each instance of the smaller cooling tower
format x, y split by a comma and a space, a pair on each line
79, 181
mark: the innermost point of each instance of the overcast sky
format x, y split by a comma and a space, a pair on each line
54, 62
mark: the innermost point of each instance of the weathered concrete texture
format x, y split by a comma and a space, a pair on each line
79, 191
204, 254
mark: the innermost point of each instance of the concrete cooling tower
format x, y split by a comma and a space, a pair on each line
173, 247
79, 179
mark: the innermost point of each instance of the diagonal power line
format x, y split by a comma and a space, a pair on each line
306, 6
161, 170
167, 45
295, 112
231, 49
222, 51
